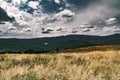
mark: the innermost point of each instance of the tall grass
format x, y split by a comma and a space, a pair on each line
95, 65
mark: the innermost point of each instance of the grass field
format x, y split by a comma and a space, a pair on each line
100, 64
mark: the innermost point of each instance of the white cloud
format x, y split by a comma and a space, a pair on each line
68, 14
111, 21
65, 12
33, 4
17, 2
57, 1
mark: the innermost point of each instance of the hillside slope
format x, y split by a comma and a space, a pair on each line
56, 43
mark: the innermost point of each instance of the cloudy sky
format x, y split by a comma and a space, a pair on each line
48, 18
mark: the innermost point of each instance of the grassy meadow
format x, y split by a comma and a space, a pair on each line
95, 63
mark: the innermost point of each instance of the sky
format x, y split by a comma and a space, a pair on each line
50, 18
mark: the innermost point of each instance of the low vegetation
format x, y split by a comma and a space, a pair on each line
75, 65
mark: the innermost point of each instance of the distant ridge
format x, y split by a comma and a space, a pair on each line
56, 43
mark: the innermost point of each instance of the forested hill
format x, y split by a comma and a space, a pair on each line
56, 43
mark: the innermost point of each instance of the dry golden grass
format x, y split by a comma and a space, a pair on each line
95, 65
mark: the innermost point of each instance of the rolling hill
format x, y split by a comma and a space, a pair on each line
56, 43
